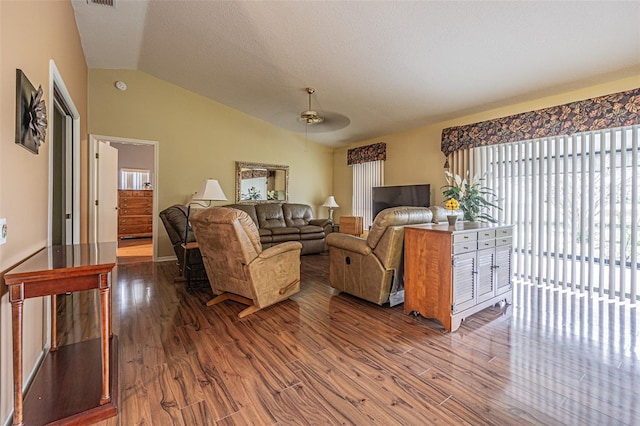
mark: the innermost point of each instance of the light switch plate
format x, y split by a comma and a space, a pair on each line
3, 231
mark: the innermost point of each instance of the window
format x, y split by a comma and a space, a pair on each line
365, 177
135, 179
574, 203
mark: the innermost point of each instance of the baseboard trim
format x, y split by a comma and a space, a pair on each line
9, 420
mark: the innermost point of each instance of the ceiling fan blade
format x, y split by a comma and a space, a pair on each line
332, 121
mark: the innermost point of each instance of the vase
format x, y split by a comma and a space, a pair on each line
452, 218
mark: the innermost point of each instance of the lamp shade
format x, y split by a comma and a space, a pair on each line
330, 202
210, 190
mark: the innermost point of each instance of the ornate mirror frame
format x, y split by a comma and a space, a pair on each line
276, 183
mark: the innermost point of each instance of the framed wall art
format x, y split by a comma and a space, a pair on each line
31, 114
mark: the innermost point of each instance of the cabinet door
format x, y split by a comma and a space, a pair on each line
464, 281
503, 268
485, 275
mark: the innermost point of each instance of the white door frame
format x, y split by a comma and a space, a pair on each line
93, 184
55, 79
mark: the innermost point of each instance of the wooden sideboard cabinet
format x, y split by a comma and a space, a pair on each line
452, 272
135, 213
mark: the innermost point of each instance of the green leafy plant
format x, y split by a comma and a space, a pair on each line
473, 198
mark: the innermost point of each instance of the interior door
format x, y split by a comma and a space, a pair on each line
59, 184
68, 178
107, 193
62, 177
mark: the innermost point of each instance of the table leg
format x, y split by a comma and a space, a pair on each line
110, 305
54, 323
185, 268
188, 269
105, 328
16, 297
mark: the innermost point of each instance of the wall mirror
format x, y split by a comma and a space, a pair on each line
259, 182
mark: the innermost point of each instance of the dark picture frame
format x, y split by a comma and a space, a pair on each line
31, 120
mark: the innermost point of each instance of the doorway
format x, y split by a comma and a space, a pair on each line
136, 188
61, 232
64, 163
136, 176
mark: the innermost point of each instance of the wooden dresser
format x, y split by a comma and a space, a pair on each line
452, 272
135, 213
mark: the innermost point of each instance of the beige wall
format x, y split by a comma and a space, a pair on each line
31, 33
199, 138
414, 156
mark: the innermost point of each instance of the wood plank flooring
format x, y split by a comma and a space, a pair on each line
323, 358
135, 250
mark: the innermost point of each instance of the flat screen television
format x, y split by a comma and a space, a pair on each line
404, 195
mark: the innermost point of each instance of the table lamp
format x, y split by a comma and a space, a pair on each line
209, 191
331, 204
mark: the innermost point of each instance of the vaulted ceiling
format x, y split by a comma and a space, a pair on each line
377, 67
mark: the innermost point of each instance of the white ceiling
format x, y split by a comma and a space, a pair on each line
388, 65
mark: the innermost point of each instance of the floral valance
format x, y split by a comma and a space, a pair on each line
366, 154
615, 110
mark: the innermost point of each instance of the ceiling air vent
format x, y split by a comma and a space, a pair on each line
110, 3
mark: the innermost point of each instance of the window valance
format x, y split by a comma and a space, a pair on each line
615, 110
366, 154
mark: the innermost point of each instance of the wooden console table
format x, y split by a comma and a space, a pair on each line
64, 392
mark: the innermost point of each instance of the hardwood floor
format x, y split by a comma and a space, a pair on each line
135, 250
322, 358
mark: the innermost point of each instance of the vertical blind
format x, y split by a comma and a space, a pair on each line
365, 177
574, 203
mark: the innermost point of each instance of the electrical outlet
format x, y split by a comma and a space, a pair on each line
3, 231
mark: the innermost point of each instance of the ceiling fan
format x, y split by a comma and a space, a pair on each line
324, 121
310, 117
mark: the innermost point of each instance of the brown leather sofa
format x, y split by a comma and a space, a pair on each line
237, 266
278, 223
372, 268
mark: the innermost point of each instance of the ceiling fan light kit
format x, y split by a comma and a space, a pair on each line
310, 117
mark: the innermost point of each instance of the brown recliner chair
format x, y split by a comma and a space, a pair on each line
372, 268
174, 219
237, 267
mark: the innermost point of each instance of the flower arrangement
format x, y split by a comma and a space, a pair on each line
252, 194
472, 198
452, 204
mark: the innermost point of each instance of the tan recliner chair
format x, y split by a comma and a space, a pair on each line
237, 267
372, 269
